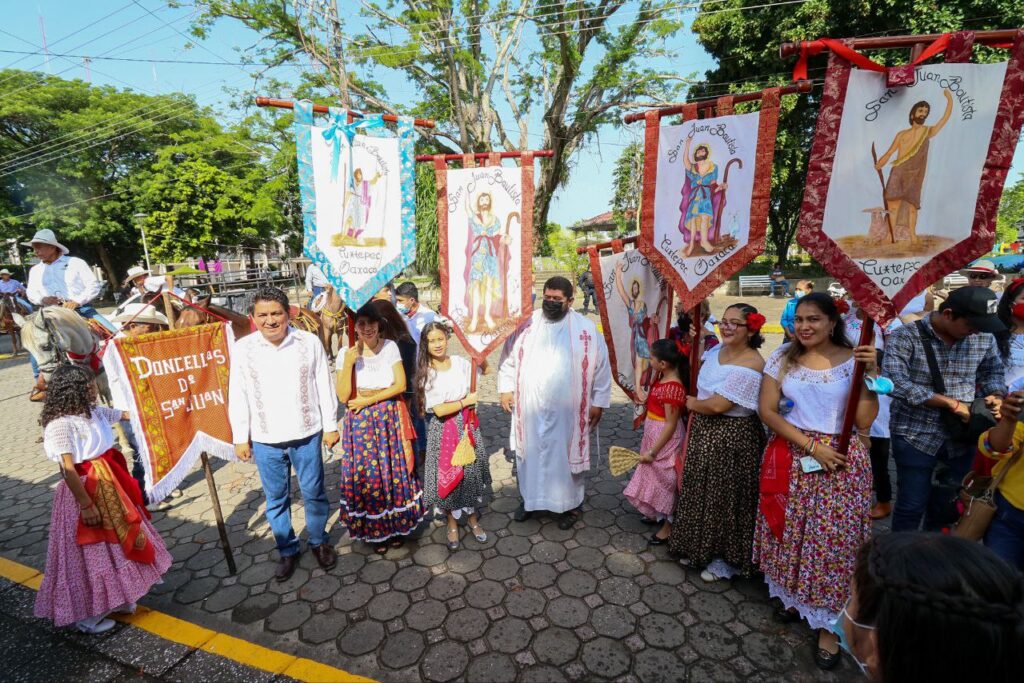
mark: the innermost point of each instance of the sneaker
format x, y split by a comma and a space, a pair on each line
94, 626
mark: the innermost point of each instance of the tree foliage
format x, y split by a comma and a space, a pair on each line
745, 43
627, 181
1010, 220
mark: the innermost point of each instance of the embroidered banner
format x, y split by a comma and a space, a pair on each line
356, 181
706, 192
906, 171
485, 235
176, 384
635, 303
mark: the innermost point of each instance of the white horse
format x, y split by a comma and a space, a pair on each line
55, 336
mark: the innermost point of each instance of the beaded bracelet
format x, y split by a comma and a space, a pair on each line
987, 445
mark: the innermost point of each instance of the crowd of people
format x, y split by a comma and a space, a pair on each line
742, 474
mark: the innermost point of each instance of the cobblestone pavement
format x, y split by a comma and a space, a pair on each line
533, 603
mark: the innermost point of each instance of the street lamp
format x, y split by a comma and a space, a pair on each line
139, 218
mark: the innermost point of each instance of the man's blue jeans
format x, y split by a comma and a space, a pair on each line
275, 462
1005, 536
316, 291
87, 311
776, 285
914, 471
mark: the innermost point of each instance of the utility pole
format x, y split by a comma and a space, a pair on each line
42, 29
140, 221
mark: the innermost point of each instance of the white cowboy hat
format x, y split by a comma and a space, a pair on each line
986, 267
5, 272
46, 237
136, 271
141, 313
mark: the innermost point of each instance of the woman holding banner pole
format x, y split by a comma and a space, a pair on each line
814, 500
380, 496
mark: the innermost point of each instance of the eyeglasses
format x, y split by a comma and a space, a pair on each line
980, 276
730, 324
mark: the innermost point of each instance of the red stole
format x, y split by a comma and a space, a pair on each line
118, 499
774, 486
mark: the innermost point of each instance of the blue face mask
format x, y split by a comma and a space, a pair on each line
879, 385
838, 627
403, 309
799, 293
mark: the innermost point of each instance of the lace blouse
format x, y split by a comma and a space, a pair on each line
84, 438
734, 383
377, 372
819, 396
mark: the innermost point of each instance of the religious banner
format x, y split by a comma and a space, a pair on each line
635, 304
356, 181
907, 168
176, 383
485, 235
705, 194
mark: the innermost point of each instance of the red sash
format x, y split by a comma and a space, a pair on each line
774, 485
118, 499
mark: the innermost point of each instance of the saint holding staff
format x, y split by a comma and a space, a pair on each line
703, 200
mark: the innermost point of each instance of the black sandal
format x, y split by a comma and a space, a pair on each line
380, 548
826, 660
396, 543
568, 519
786, 616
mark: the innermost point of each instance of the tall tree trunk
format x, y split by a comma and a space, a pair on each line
108, 265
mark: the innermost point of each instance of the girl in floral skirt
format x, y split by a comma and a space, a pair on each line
652, 489
103, 554
380, 496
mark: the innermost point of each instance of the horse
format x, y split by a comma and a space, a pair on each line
56, 336
11, 318
332, 318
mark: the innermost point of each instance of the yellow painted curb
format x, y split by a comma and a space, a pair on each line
191, 635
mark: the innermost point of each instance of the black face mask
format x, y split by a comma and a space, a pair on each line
554, 310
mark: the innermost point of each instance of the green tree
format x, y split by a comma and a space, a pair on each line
482, 70
627, 181
1010, 219
563, 251
427, 251
745, 42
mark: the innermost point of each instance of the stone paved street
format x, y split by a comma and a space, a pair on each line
532, 604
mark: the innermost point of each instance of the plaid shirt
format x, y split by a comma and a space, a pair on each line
970, 368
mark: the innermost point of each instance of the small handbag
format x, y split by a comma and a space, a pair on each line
465, 451
979, 502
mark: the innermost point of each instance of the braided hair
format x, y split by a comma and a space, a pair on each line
944, 608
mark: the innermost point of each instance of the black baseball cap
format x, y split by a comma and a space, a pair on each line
978, 305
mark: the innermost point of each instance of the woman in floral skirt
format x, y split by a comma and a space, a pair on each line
103, 554
814, 500
442, 387
380, 496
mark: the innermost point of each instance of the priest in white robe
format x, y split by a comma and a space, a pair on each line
556, 381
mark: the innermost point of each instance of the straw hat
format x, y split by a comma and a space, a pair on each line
134, 272
5, 272
141, 313
46, 237
983, 266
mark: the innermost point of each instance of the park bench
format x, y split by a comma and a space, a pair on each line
755, 282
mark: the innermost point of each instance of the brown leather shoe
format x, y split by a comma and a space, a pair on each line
325, 555
286, 567
881, 510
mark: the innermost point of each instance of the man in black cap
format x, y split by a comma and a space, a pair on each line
964, 352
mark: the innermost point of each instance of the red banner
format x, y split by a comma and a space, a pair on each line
907, 168
177, 385
485, 237
706, 192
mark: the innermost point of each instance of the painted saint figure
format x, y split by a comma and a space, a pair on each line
487, 260
903, 189
702, 198
357, 203
643, 330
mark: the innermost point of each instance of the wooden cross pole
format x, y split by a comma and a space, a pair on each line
218, 514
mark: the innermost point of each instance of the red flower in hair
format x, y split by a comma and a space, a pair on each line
755, 321
842, 306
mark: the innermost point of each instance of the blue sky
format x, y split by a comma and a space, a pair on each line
125, 29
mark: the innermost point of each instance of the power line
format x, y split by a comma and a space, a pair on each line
65, 37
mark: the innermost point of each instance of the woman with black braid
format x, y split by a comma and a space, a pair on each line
932, 607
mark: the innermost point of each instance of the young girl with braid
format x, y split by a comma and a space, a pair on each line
932, 607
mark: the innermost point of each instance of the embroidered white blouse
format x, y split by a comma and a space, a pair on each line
69, 277
819, 396
734, 383
444, 386
280, 393
84, 438
377, 372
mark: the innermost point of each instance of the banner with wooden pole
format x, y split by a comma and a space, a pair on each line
947, 143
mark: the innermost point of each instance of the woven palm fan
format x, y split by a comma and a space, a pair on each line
621, 460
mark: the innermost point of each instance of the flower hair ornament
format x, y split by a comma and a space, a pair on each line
842, 306
755, 321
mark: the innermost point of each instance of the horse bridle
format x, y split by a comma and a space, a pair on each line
60, 357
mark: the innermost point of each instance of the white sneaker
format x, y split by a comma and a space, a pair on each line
708, 577
95, 626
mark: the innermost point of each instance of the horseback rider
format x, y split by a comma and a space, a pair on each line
141, 281
62, 280
9, 285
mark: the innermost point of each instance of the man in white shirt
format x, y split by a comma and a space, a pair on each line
316, 283
144, 283
62, 280
282, 400
417, 315
556, 381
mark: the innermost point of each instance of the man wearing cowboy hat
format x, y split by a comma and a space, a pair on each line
981, 274
140, 318
9, 285
62, 280
141, 281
